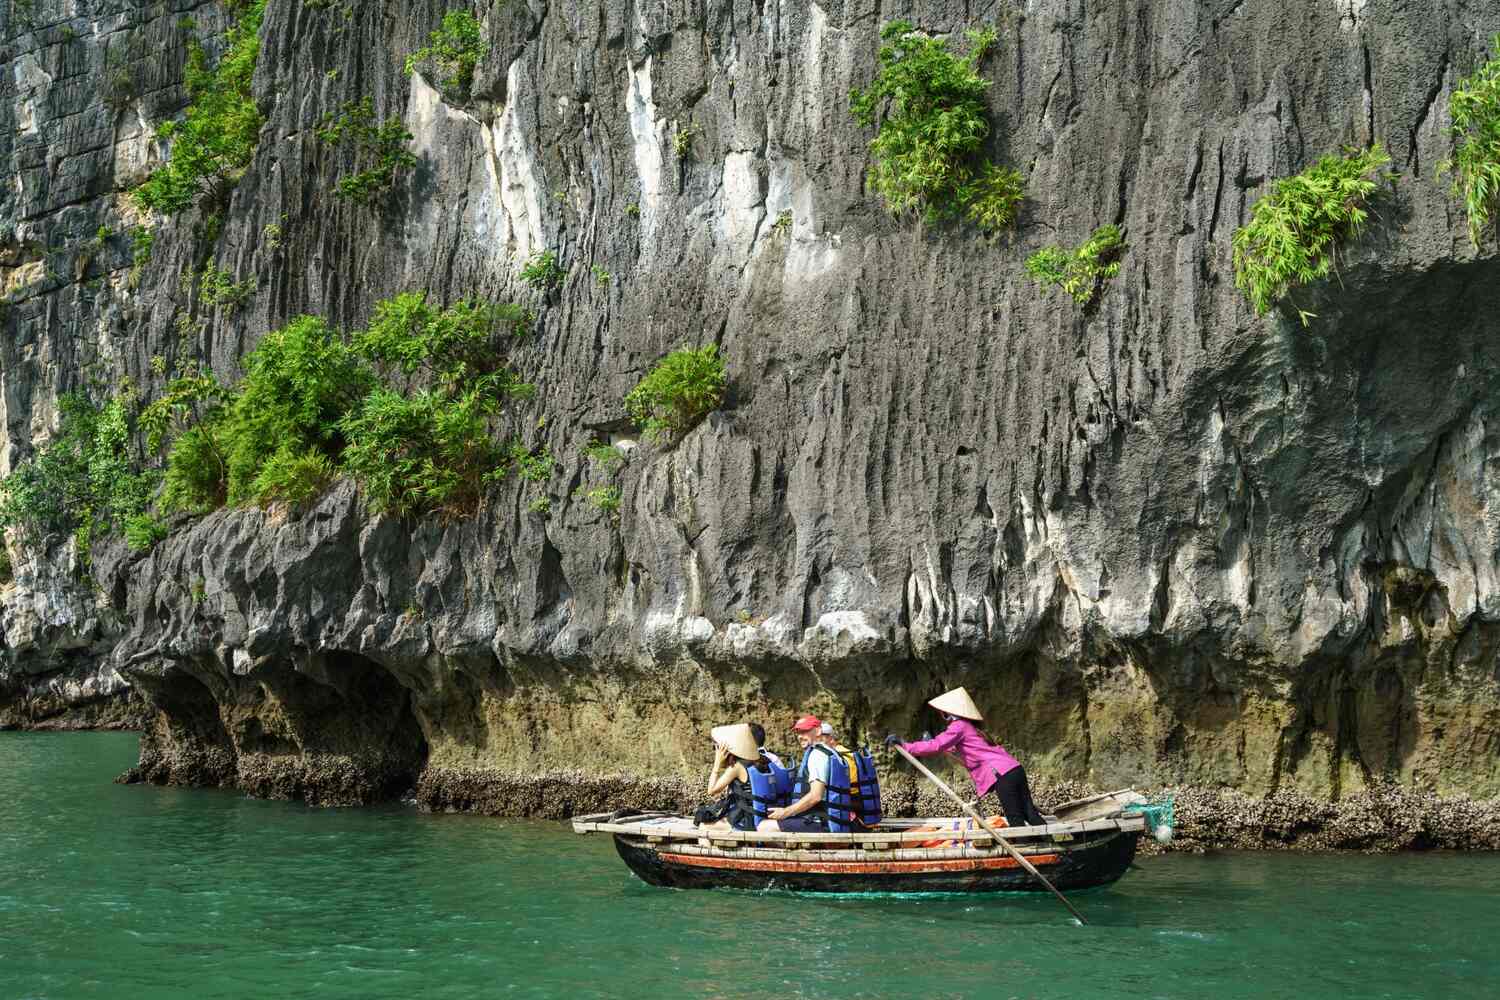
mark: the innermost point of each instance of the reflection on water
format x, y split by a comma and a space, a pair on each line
135, 891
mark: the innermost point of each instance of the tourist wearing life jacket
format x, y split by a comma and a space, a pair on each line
736, 752
990, 765
809, 813
859, 792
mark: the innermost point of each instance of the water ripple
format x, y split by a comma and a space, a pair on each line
169, 893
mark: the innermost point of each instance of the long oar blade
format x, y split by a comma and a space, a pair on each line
1020, 858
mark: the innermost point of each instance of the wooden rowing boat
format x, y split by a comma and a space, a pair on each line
1086, 843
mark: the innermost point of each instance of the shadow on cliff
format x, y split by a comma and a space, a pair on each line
335, 729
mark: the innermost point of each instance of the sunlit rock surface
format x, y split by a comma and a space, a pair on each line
1162, 541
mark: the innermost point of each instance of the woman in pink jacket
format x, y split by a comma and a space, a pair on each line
989, 764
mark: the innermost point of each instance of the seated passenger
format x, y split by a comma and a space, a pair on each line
759, 732
736, 750
808, 814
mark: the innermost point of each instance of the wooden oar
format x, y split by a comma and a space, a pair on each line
993, 833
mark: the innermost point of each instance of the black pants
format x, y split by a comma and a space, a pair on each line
1015, 799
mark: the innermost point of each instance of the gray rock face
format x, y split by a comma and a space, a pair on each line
1162, 541
55, 640
82, 90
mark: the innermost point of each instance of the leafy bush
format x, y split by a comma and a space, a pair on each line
142, 239
455, 48
191, 408
534, 468
293, 476
1079, 271
449, 346
606, 456
427, 451
1294, 232
601, 498
684, 387
216, 139
433, 449
187, 400
299, 382
1475, 165
682, 141
542, 271
144, 530
928, 150
196, 472
992, 199
406, 408
382, 147
80, 481
257, 443
218, 288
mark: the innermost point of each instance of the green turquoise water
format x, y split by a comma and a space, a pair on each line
122, 892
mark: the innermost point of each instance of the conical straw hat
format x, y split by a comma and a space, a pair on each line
738, 740
957, 702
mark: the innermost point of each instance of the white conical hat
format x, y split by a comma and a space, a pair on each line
738, 740
957, 702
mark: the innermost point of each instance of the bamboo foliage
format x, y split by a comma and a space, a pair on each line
1475, 164
1295, 232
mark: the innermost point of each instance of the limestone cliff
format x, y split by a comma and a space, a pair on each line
1163, 541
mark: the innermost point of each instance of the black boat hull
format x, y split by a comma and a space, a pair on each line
1098, 862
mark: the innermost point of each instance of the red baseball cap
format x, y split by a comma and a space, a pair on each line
807, 722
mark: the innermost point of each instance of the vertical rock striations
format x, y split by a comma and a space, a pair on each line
1162, 541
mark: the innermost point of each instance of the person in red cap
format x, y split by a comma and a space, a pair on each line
809, 814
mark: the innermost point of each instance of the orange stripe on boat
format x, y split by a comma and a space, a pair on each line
856, 867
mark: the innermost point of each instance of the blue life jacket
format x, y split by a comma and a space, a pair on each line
836, 798
771, 788
866, 790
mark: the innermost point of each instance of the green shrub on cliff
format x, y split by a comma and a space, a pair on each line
82, 480
928, 150
681, 390
448, 346
1079, 271
1475, 165
188, 412
1295, 231
299, 382
218, 288
454, 48
433, 449
605, 499
379, 151
542, 271
253, 444
606, 456
293, 476
143, 530
215, 140
408, 408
